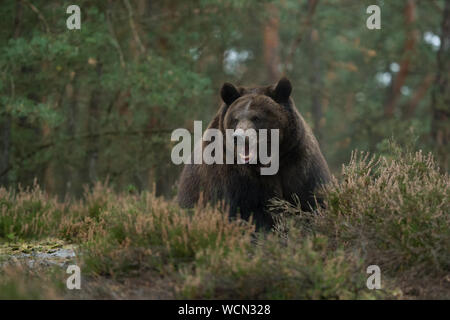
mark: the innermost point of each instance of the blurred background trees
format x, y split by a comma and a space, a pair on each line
77, 106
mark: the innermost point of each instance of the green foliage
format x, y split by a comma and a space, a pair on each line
97, 103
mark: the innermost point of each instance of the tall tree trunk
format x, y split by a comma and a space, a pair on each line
137, 46
71, 96
316, 84
93, 125
405, 64
419, 93
5, 144
49, 181
271, 43
440, 103
304, 30
5, 123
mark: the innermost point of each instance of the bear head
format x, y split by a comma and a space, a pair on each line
266, 107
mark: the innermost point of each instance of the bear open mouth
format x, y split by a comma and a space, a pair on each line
247, 155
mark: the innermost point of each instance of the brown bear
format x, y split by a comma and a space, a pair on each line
302, 167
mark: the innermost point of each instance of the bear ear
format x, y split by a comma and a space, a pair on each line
229, 93
282, 90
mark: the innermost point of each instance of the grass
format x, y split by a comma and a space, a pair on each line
392, 211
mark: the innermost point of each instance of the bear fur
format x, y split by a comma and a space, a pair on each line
302, 167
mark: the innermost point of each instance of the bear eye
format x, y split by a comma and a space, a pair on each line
255, 119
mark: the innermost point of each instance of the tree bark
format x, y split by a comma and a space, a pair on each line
93, 125
271, 43
5, 127
405, 64
419, 93
316, 83
6, 122
304, 29
440, 102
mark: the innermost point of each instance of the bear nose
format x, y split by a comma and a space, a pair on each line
239, 133
242, 126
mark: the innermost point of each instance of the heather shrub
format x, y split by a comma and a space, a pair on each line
298, 268
18, 282
144, 231
84, 218
394, 209
390, 210
29, 213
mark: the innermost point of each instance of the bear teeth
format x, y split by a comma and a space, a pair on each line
245, 158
